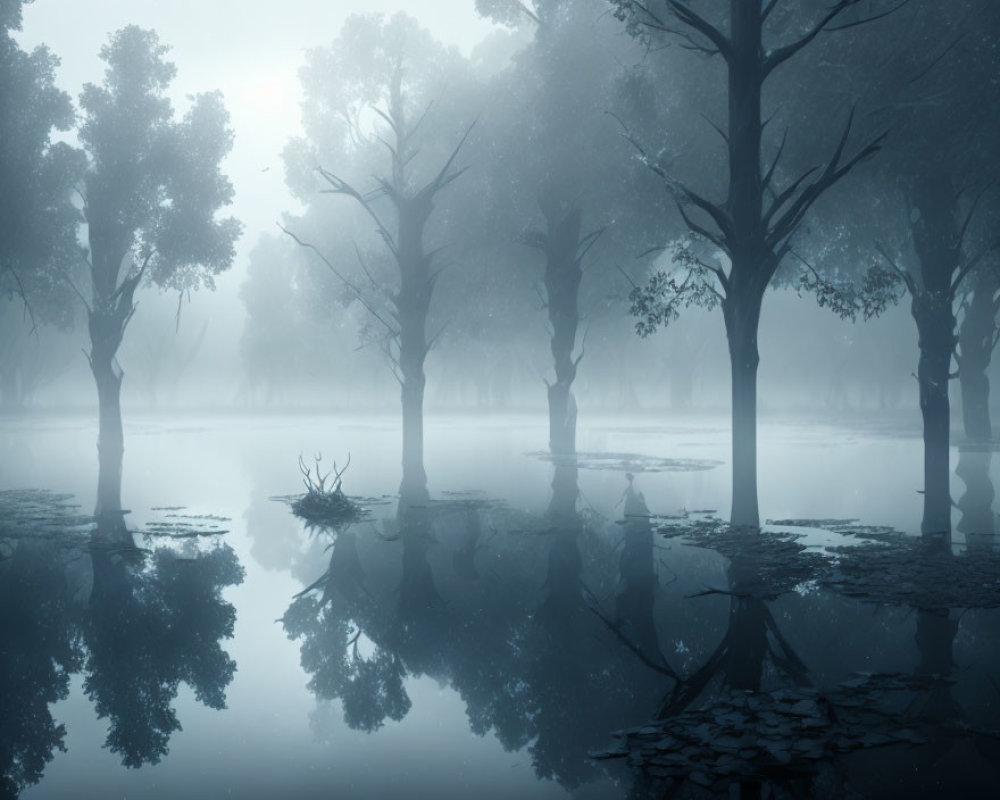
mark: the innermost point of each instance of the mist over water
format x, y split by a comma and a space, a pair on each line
539, 399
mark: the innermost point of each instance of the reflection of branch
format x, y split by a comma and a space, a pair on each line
357, 292
663, 668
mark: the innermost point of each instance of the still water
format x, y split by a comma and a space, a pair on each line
484, 644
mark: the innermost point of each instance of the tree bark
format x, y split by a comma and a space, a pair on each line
562, 287
413, 304
110, 436
753, 261
975, 338
742, 315
937, 243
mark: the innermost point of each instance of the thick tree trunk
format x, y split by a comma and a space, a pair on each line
105, 337
752, 260
932, 377
562, 287
413, 304
742, 314
936, 241
110, 437
414, 483
975, 338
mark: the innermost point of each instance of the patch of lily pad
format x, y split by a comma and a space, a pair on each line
746, 735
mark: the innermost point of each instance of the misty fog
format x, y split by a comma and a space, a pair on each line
486, 398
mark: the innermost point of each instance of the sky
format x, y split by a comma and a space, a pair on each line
251, 52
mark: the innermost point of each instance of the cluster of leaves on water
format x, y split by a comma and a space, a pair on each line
777, 562
175, 525
745, 735
39, 514
891, 568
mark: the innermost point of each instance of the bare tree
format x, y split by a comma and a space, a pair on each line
406, 342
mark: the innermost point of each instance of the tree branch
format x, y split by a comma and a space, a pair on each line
354, 289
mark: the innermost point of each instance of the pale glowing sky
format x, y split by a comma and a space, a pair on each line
249, 50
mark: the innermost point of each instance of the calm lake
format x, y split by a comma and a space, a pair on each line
483, 644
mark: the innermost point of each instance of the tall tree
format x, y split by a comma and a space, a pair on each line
753, 227
555, 149
38, 221
941, 94
153, 189
400, 205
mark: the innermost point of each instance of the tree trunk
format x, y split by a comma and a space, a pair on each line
975, 338
753, 261
413, 304
742, 314
937, 243
562, 287
110, 436
932, 377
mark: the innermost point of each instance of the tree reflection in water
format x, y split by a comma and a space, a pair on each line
136, 623
492, 602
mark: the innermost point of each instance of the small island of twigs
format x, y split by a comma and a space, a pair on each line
322, 505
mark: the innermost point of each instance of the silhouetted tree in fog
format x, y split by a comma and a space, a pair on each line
754, 225
400, 205
153, 189
38, 221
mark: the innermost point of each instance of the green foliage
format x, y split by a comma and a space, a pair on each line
879, 288
690, 282
154, 185
38, 222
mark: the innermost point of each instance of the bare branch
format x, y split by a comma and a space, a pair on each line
714, 238
780, 55
693, 20
904, 275
28, 310
443, 179
833, 172
340, 186
354, 289
766, 182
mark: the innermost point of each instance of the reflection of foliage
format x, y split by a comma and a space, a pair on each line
153, 626
370, 689
39, 650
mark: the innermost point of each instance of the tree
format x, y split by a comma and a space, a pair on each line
152, 192
400, 205
940, 95
38, 221
754, 226
555, 149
